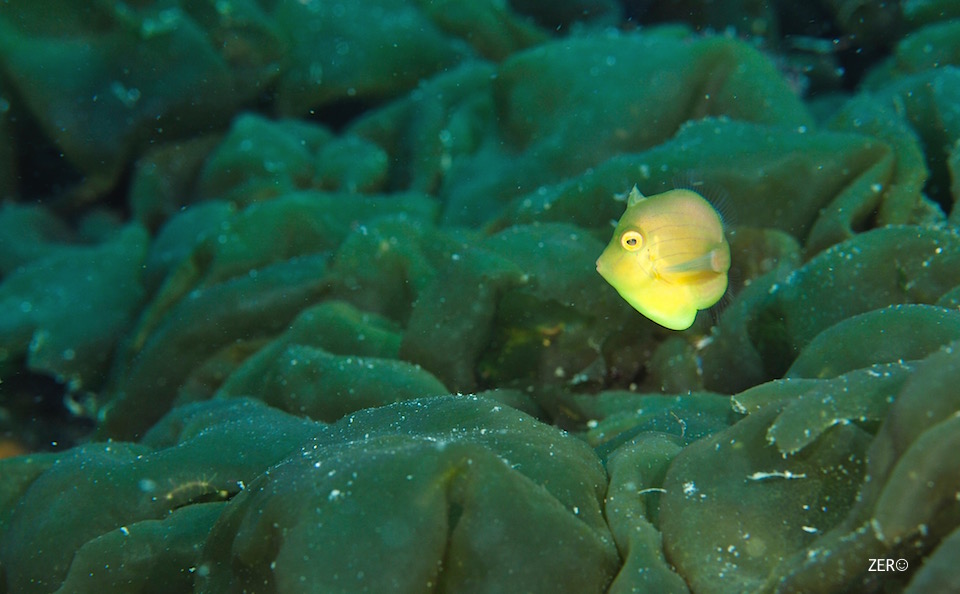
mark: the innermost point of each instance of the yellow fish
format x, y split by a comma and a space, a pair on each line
668, 257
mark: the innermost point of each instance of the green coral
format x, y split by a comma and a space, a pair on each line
118, 61
443, 489
57, 333
767, 329
631, 506
411, 484
276, 242
189, 460
719, 528
349, 383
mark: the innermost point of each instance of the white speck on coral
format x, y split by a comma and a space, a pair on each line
784, 474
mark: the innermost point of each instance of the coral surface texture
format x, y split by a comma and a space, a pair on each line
479, 296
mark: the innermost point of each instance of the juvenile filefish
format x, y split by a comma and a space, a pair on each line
668, 257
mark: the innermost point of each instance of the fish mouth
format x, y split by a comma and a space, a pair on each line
603, 270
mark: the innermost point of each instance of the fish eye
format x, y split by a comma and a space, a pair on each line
631, 241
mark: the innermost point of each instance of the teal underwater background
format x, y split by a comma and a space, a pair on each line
300, 296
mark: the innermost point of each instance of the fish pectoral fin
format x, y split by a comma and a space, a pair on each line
716, 260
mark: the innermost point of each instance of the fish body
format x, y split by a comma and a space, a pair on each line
668, 256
